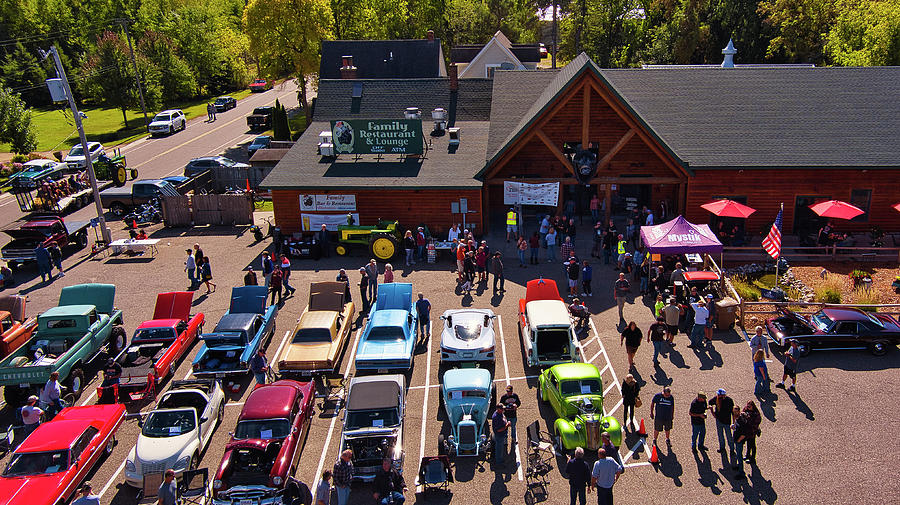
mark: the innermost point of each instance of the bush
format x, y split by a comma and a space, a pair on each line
829, 291
745, 289
867, 297
19, 158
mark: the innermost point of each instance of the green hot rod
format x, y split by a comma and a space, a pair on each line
575, 391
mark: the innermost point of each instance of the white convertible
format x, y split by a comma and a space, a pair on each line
175, 433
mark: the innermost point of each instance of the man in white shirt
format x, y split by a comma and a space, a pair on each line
453, 234
31, 415
699, 329
51, 394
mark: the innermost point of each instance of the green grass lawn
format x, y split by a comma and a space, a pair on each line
55, 127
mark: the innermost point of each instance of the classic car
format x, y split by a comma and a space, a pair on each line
373, 423
265, 446
176, 432
37, 169
48, 467
156, 348
260, 85
390, 335
836, 328
467, 396
224, 103
575, 391
69, 338
321, 333
545, 326
467, 335
260, 142
16, 329
247, 326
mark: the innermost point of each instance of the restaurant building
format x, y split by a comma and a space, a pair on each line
669, 138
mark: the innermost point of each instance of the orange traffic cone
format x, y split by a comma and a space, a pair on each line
133, 223
643, 431
654, 456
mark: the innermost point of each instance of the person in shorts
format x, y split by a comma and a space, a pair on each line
791, 360
662, 411
672, 313
711, 318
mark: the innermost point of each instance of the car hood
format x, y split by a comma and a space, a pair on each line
161, 449
160, 123
305, 353
448, 339
383, 350
33, 490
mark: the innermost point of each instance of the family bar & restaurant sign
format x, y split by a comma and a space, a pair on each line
377, 136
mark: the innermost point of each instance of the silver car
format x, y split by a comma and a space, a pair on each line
467, 335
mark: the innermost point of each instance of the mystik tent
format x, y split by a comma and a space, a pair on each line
679, 236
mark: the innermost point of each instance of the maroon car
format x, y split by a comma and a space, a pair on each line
835, 328
265, 446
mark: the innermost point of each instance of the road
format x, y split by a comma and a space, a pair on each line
162, 156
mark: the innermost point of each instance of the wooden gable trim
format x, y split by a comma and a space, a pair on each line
555, 150
615, 149
586, 116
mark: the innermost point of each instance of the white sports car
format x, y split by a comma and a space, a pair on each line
467, 335
174, 433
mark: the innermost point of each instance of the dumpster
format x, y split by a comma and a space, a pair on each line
726, 310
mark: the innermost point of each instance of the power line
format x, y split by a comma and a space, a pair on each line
40, 37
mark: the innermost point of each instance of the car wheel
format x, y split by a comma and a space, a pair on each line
14, 396
804, 348
76, 382
221, 413
557, 442
541, 394
194, 462
442, 445
110, 445
183, 126
117, 209
878, 347
116, 341
171, 130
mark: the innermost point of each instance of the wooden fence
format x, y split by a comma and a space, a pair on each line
814, 253
207, 209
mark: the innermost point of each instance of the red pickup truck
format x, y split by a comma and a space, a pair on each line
37, 229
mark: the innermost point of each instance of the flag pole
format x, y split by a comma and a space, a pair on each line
775, 287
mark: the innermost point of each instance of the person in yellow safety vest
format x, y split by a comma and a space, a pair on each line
621, 251
511, 223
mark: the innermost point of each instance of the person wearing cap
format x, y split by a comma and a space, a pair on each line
31, 415
420, 242
86, 497
701, 314
267, 267
672, 313
511, 404
711, 318
250, 278
112, 372
721, 407
342, 277
698, 422
51, 395
662, 411
500, 428
168, 490
656, 335
512, 220
259, 366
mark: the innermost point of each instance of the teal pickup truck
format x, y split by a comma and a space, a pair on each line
69, 336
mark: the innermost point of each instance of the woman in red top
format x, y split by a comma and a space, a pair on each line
460, 257
480, 264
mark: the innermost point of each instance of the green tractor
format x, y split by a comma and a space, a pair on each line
113, 169
382, 239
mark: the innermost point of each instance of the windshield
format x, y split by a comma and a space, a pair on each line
312, 335
76, 151
386, 333
227, 162
469, 331
581, 387
154, 334
162, 117
37, 463
822, 321
358, 419
262, 429
471, 393
168, 423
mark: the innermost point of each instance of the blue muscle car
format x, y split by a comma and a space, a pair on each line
390, 335
247, 326
467, 398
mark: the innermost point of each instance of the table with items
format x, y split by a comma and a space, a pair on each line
135, 246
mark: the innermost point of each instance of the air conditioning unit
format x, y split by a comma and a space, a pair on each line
454, 135
326, 149
439, 116
412, 113
325, 137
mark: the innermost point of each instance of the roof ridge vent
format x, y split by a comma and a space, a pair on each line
729, 53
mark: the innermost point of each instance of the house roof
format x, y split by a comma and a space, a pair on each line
514, 92
378, 59
268, 155
465, 53
502, 43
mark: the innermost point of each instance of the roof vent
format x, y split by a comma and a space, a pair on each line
326, 146
439, 116
412, 113
454, 135
729, 53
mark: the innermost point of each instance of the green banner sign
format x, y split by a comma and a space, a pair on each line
377, 136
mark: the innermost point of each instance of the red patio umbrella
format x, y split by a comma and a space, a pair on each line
728, 208
837, 209
897, 207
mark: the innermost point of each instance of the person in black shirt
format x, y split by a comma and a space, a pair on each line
721, 406
250, 278
698, 422
342, 277
631, 337
363, 288
511, 403
111, 373
579, 476
389, 484
656, 335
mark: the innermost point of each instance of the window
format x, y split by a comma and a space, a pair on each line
861, 198
83, 441
489, 69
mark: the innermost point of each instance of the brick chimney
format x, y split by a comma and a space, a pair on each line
348, 71
453, 75
430, 36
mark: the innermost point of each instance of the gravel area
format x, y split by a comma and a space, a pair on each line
882, 277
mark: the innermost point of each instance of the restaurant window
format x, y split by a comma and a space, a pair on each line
861, 198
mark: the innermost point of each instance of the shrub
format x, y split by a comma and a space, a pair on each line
866, 297
19, 158
829, 291
745, 289
5, 171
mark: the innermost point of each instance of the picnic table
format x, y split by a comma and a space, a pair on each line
135, 246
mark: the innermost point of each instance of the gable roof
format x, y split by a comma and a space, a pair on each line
514, 92
380, 59
465, 53
500, 42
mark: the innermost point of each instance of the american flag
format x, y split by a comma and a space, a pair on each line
772, 242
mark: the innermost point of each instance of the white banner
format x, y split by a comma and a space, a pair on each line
327, 203
523, 193
314, 222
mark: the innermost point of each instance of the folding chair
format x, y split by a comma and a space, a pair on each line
150, 487
435, 473
335, 389
194, 486
539, 459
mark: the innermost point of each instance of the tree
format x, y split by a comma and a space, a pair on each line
280, 126
799, 28
15, 123
286, 34
865, 33
106, 77
176, 76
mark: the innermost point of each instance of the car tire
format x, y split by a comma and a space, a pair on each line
81, 240
442, 446
183, 125
14, 396
117, 338
171, 130
118, 209
541, 394
75, 382
110, 445
221, 413
879, 347
804, 348
194, 462
557, 442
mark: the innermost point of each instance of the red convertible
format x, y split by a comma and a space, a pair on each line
265, 447
51, 463
156, 348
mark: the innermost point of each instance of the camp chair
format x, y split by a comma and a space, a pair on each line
335, 389
539, 456
150, 487
435, 473
194, 486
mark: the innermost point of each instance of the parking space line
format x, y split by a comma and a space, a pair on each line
608, 363
508, 379
281, 345
113, 478
234, 404
425, 404
605, 391
642, 463
634, 449
606, 367
594, 357
334, 418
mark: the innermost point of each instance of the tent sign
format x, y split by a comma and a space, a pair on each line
377, 136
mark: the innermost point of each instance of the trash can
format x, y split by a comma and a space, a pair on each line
726, 309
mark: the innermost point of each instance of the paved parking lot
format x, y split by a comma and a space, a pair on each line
832, 442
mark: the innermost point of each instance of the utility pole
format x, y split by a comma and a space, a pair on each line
61, 73
555, 33
137, 78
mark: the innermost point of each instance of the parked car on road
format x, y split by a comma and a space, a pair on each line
167, 122
834, 327
390, 335
373, 423
322, 331
224, 103
261, 118
176, 432
545, 326
48, 467
260, 142
468, 396
260, 85
75, 159
575, 391
265, 447
199, 165
467, 335
37, 229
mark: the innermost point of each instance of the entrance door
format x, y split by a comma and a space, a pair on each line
632, 196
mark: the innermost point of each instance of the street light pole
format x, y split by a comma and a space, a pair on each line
104, 230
